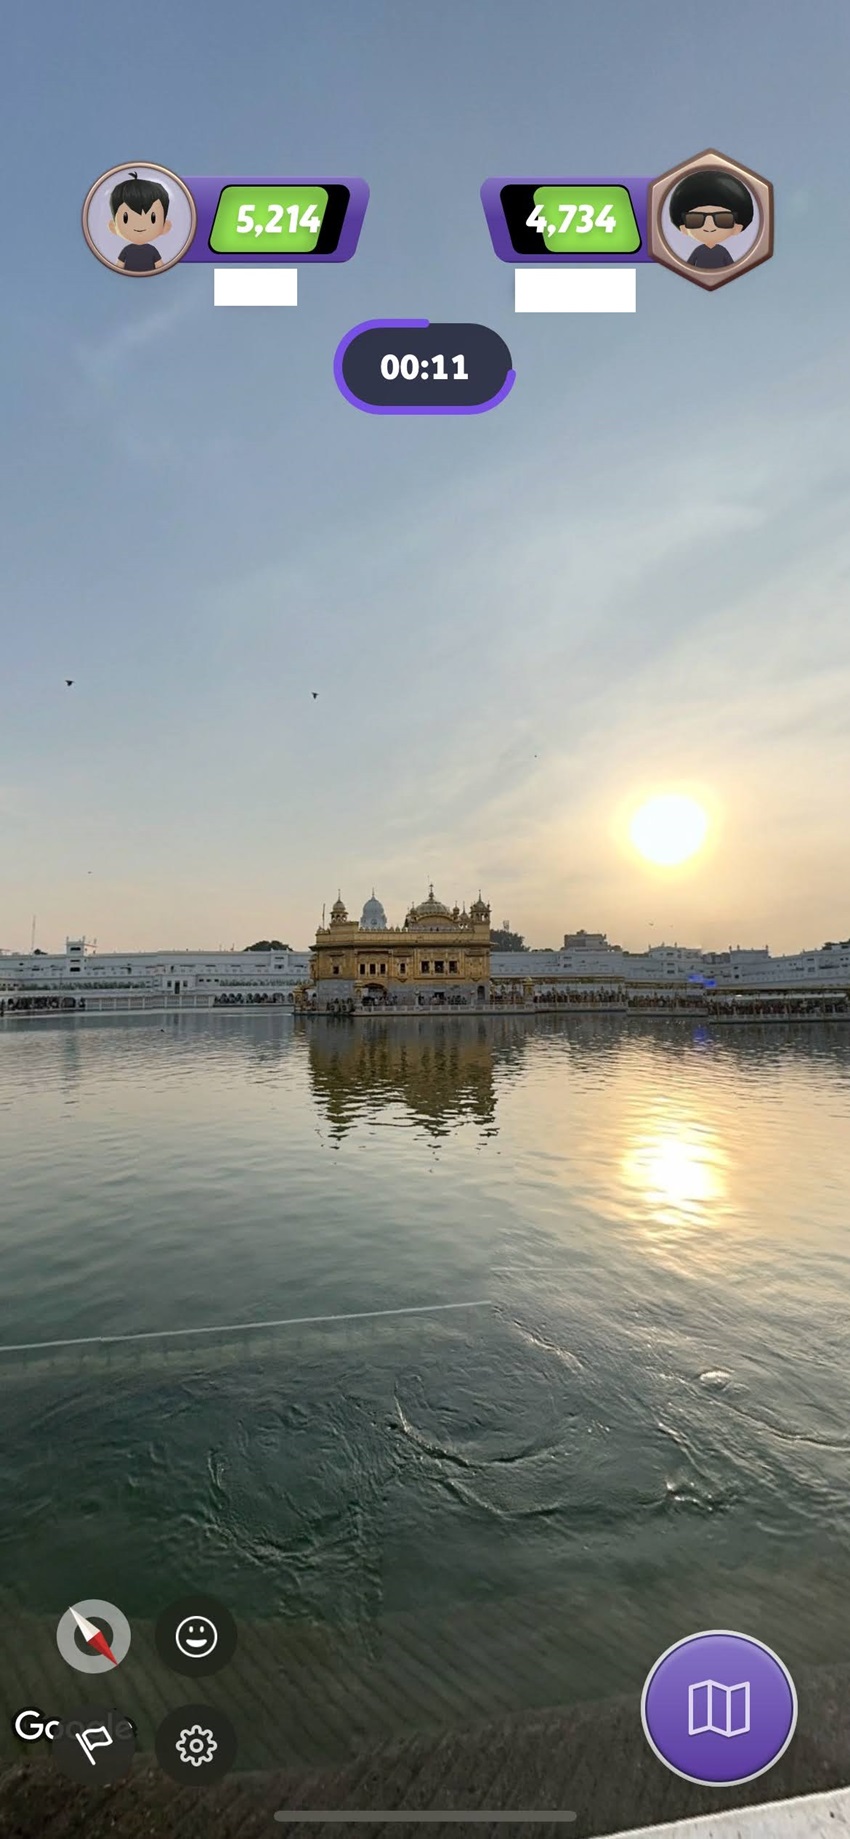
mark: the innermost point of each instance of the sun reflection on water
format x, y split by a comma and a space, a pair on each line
676, 1176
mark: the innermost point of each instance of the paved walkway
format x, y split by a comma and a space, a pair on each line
591, 1761
808, 1818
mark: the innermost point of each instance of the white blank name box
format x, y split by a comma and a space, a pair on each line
575, 290
255, 287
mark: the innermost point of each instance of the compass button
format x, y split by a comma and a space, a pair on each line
93, 1636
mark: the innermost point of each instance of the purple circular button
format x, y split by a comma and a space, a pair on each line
719, 1708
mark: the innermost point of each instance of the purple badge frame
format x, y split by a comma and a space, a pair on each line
638, 190
207, 190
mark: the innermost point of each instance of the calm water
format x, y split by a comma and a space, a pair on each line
644, 1430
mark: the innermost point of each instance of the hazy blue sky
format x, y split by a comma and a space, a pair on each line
632, 576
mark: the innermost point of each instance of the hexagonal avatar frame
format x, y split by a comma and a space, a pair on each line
738, 195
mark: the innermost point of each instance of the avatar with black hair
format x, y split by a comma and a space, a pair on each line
710, 206
139, 213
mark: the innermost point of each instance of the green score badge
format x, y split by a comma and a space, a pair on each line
268, 219
585, 219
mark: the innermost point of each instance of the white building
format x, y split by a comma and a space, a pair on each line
173, 973
590, 964
671, 965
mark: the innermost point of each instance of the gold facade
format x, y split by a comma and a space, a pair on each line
436, 950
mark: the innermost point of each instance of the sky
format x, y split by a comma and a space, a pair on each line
629, 578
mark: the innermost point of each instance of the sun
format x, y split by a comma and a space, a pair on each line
669, 829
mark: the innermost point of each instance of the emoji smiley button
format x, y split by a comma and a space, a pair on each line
196, 1635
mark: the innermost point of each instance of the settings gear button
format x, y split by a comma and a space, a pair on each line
196, 1744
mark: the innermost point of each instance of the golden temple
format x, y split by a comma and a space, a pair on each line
439, 955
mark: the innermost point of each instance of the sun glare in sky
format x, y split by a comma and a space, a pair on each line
669, 829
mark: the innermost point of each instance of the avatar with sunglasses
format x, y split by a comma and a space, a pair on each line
711, 206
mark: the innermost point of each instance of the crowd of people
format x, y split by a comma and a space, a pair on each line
814, 1005
519, 998
721, 1003
381, 1001
234, 998
818, 1007
12, 1005
823, 1006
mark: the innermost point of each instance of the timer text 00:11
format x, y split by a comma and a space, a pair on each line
410, 367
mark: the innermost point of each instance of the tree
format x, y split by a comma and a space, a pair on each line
502, 939
268, 945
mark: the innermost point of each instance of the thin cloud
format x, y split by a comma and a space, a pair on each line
101, 363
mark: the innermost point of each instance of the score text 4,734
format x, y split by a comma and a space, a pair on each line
584, 218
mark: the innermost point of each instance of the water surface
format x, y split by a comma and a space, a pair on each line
644, 1430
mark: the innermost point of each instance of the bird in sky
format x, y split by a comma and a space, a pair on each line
68, 682
314, 694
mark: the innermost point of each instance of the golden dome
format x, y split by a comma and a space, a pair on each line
430, 908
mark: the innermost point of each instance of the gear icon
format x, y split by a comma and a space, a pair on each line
196, 1745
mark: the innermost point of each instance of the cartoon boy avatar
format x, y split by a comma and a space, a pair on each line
711, 206
139, 214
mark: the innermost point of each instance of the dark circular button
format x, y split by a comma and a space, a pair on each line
196, 1744
94, 1744
196, 1635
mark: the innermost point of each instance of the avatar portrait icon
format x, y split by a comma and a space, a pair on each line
710, 219
139, 219
713, 208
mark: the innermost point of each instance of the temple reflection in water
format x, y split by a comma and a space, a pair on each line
445, 1071
440, 1071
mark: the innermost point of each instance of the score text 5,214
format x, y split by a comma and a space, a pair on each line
255, 219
